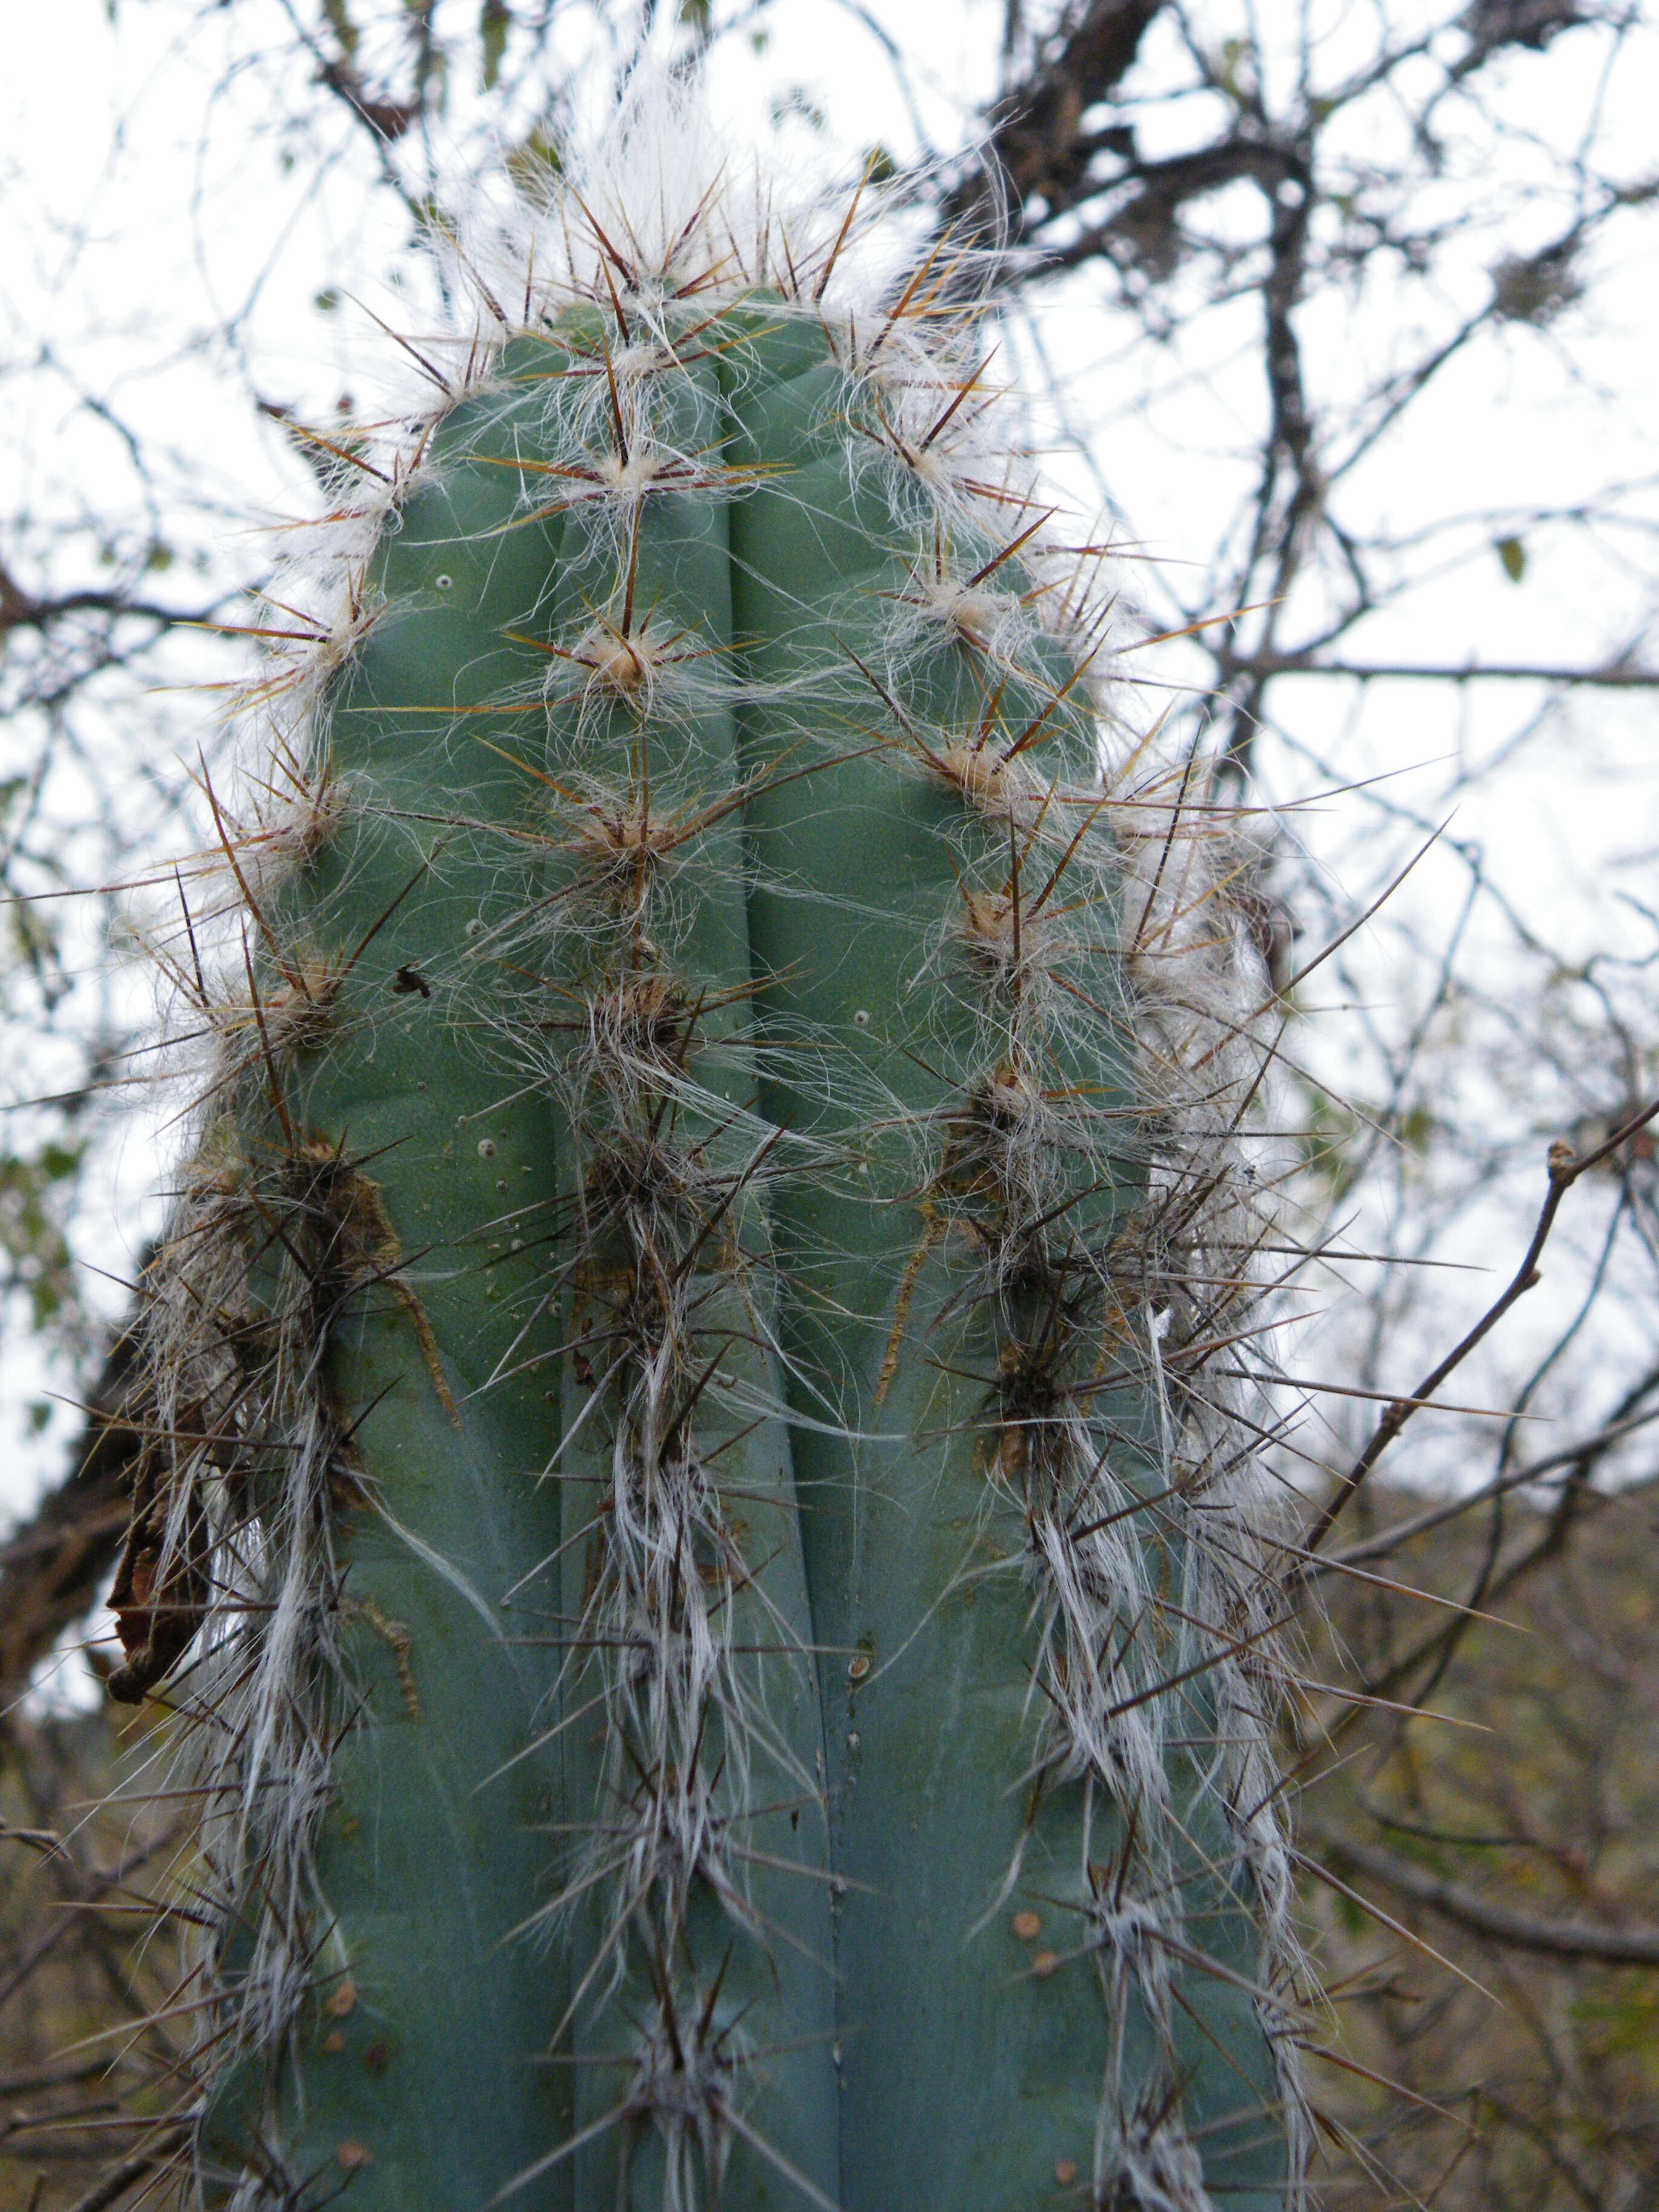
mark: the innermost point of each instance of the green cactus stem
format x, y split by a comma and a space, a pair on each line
722, 1619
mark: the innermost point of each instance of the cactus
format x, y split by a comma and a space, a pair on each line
718, 1607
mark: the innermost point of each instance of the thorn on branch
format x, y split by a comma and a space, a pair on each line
389, 119
1565, 1166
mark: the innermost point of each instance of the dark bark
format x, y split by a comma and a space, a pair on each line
1037, 143
55, 1566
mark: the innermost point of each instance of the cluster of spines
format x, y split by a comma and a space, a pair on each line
664, 1206
666, 1293
1126, 1664
231, 1557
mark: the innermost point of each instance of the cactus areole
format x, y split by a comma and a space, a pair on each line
696, 1548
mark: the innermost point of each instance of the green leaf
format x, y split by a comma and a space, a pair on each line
342, 26
32, 1237
1513, 555
1416, 1128
796, 99
1228, 72
494, 23
534, 158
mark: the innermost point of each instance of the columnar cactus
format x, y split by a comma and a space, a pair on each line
726, 1617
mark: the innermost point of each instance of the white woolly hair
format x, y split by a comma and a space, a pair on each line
658, 228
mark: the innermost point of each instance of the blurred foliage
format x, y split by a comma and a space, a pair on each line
1532, 2085
87, 2085
35, 1191
1497, 2079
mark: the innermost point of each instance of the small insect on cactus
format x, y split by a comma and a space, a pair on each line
721, 1615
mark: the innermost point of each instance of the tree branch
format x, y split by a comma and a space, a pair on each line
1498, 1923
1564, 1170
21, 610
1037, 140
1618, 677
53, 1569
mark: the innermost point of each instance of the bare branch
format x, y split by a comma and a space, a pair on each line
1610, 1945
1564, 1170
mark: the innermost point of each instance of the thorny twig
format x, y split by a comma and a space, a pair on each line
1564, 1168
1610, 1944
